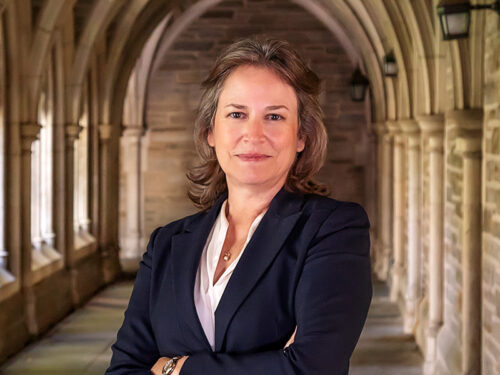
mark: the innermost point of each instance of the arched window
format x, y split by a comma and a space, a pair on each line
42, 230
82, 157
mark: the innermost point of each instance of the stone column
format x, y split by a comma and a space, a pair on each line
433, 127
29, 133
385, 199
411, 129
36, 235
468, 143
3, 246
71, 132
46, 170
109, 255
398, 207
131, 250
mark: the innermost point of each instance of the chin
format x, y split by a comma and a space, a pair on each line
252, 180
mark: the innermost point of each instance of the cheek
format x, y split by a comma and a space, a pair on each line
220, 137
286, 142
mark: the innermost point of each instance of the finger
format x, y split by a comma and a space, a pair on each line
292, 339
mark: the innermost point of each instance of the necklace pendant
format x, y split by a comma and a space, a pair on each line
227, 255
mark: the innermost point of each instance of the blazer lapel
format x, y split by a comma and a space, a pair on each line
187, 248
262, 248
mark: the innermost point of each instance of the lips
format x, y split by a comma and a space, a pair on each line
253, 157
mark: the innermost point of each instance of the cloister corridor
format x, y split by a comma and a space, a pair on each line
98, 102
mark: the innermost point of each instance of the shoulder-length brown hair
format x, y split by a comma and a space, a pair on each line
208, 180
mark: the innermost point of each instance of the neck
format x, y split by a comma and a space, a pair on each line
245, 204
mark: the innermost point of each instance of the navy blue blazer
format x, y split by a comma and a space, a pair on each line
307, 265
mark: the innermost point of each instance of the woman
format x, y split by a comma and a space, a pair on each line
271, 276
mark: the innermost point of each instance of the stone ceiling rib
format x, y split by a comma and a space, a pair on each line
102, 14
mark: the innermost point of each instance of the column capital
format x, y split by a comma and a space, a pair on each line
469, 147
431, 124
30, 132
409, 127
133, 132
105, 131
466, 119
380, 128
72, 131
394, 127
470, 130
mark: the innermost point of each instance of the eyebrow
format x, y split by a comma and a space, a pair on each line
271, 107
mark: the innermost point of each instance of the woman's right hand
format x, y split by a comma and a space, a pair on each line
290, 342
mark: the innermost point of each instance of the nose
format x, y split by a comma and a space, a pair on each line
254, 130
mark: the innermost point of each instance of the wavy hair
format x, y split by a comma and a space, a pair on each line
207, 180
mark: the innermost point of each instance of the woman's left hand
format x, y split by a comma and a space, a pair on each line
156, 369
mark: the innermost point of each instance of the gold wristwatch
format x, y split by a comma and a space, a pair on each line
170, 366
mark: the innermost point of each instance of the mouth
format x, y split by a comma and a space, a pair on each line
253, 157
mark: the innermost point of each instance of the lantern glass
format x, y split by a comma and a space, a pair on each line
390, 68
358, 92
359, 83
457, 24
455, 20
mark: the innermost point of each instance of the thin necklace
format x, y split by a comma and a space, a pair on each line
227, 254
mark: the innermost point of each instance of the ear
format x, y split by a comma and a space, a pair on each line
301, 143
210, 138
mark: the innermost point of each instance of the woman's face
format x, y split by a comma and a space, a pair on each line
255, 132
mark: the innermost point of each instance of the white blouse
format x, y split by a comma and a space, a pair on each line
207, 295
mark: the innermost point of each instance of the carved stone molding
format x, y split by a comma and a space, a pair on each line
30, 132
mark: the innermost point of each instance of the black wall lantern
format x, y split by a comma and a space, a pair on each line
390, 65
455, 17
359, 83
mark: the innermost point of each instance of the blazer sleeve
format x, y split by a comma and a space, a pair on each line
331, 304
135, 350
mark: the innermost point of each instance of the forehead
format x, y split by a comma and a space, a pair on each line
256, 85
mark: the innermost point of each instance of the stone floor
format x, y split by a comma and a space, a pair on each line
383, 348
81, 343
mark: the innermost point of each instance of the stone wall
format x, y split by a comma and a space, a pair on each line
174, 93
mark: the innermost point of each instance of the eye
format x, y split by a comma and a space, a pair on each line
275, 117
235, 115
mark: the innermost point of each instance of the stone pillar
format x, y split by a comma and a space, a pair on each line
398, 209
411, 129
109, 254
385, 199
3, 246
131, 249
47, 205
433, 127
468, 143
71, 132
377, 256
36, 169
471, 257
29, 133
